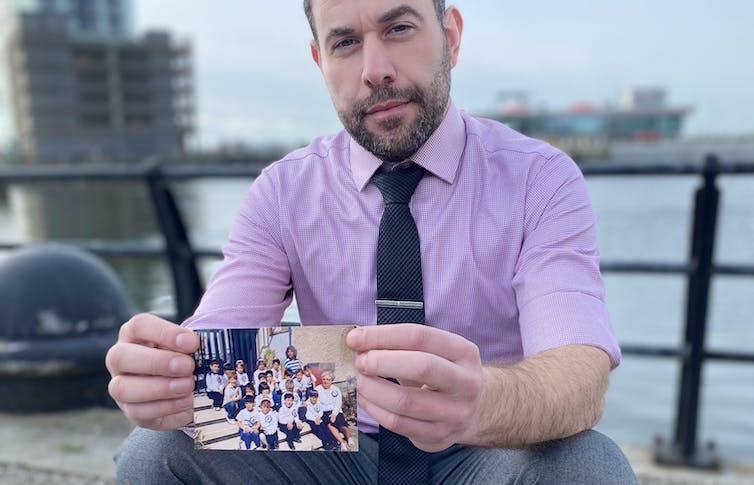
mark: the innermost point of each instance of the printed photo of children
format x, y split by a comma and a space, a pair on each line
301, 395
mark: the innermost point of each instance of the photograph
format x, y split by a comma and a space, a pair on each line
278, 388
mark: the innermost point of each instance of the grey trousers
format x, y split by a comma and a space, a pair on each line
168, 457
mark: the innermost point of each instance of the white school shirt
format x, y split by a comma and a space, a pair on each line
243, 378
314, 411
300, 385
288, 414
276, 374
247, 418
269, 422
331, 399
231, 394
214, 382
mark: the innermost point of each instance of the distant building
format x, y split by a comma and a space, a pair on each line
83, 89
105, 18
587, 131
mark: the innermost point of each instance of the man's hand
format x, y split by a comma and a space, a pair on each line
289, 425
332, 417
152, 372
441, 377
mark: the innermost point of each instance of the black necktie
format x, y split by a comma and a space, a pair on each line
400, 299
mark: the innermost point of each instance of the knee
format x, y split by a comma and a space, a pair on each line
143, 456
588, 457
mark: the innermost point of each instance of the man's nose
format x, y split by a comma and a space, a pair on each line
378, 65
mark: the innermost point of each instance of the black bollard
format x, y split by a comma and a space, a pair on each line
60, 310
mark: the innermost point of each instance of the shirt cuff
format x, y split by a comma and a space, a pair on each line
567, 318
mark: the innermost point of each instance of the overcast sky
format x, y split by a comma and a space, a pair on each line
256, 83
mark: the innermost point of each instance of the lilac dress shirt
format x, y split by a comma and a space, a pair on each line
509, 252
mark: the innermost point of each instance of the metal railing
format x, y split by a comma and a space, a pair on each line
699, 269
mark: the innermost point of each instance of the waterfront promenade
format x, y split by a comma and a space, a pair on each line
76, 448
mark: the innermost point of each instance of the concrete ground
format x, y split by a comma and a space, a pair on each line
76, 448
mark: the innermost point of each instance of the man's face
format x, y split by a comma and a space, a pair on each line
261, 366
214, 368
313, 399
265, 406
288, 401
387, 66
249, 405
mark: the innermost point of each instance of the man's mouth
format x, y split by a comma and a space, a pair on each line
387, 110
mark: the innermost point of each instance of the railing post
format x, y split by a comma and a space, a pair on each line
186, 282
683, 450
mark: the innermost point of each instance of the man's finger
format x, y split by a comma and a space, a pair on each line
161, 414
129, 358
140, 389
416, 367
411, 336
154, 331
426, 435
420, 404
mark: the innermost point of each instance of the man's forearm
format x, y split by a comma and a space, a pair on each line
551, 395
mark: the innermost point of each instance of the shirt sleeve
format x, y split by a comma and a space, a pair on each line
252, 287
559, 290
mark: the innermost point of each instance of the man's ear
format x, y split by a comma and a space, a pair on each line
453, 23
315, 53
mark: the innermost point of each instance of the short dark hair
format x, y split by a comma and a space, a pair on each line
439, 10
228, 366
275, 360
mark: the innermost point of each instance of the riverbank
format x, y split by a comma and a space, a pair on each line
76, 448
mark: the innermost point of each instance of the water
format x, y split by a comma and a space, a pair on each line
646, 219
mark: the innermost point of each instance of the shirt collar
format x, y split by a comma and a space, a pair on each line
440, 155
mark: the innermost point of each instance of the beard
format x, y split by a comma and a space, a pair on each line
400, 140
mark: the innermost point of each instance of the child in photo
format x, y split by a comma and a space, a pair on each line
277, 395
314, 413
299, 385
291, 361
248, 426
243, 377
264, 393
232, 399
310, 379
276, 371
289, 421
249, 391
268, 423
258, 374
331, 398
228, 370
287, 376
215, 384
290, 389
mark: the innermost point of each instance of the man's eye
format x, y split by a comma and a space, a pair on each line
345, 43
400, 28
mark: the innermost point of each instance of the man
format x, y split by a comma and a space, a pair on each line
516, 339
